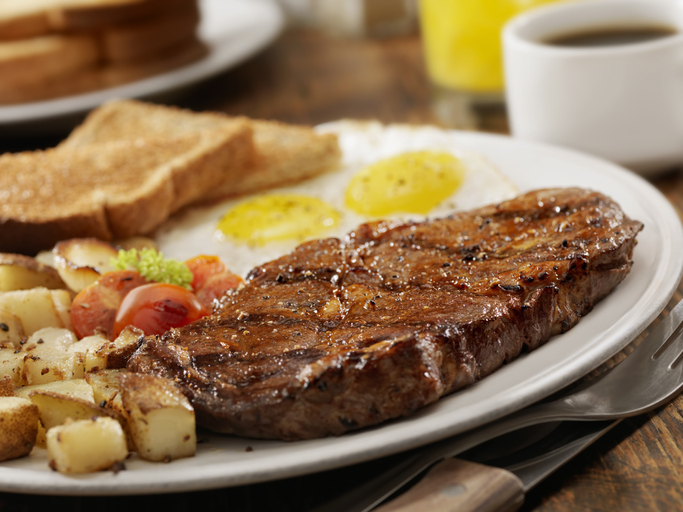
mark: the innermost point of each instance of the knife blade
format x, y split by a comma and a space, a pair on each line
495, 476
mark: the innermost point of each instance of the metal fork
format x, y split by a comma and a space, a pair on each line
649, 377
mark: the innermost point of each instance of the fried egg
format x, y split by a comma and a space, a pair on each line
387, 171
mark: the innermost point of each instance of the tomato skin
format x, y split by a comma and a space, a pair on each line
203, 267
211, 278
157, 307
216, 285
94, 308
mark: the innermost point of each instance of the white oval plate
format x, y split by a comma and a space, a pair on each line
225, 461
234, 30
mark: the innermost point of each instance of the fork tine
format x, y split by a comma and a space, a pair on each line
678, 359
666, 334
675, 340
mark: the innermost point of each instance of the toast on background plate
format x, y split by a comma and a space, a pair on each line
78, 82
71, 15
57, 48
28, 18
23, 18
283, 153
31, 61
99, 77
150, 38
112, 189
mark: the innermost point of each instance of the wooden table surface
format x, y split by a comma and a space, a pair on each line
307, 77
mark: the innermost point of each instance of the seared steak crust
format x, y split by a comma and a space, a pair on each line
340, 335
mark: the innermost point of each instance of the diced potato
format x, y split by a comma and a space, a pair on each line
97, 352
18, 427
6, 386
81, 261
62, 301
86, 446
53, 337
160, 418
12, 364
107, 393
19, 272
117, 352
47, 358
55, 408
106, 388
41, 438
77, 388
87, 352
46, 258
11, 329
38, 308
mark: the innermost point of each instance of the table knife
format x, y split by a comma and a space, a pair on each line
495, 476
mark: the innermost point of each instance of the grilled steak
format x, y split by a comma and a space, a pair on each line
342, 334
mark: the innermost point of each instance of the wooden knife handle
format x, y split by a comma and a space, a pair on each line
455, 484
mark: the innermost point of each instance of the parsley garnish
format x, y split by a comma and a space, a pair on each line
154, 267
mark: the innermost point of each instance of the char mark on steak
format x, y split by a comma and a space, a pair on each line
343, 334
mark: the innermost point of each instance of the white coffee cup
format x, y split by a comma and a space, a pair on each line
621, 102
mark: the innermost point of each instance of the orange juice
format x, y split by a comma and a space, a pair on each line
462, 42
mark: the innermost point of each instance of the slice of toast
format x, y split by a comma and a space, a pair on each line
78, 82
30, 61
21, 18
126, 119
56, 48
111, 190
70, 15
148, 38
29, 18
283, 154
100, 76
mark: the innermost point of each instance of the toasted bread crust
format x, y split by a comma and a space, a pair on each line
125, 119
220, 157
111, 190
131, 165
284, 154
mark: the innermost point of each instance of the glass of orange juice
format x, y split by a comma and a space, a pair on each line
462, 43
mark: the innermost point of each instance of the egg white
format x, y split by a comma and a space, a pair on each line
194, 232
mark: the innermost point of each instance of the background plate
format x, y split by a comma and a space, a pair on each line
224, 460
234, 30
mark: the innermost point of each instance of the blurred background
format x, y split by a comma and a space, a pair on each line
435, 61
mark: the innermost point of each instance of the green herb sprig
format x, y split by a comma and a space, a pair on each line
154, 267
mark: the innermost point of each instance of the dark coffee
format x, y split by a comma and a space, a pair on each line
611, 36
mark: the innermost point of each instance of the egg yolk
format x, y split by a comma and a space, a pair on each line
269, 218
412, 182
